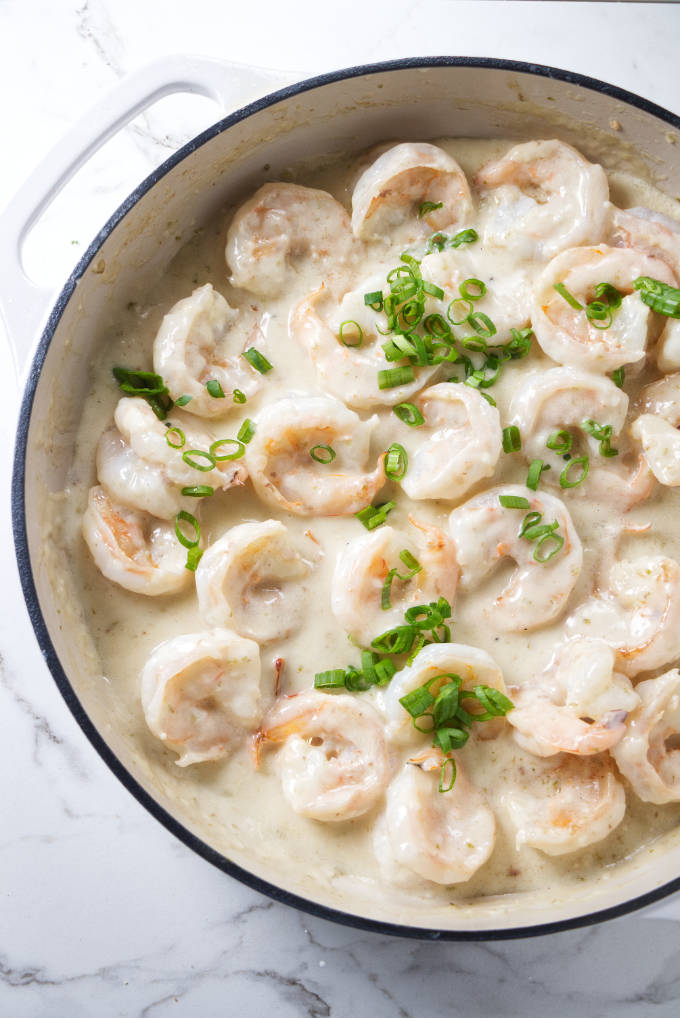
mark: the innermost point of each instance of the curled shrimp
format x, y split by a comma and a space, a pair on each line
349, 370
201, 339
201, 693
656, 429
578, 705
441, 837
562, 399
362, 568
638, 613
389, 198
139, 468
283, 229
286, 475
250, 580
567, 335
542, 197
565, 804
485, 532
439, 660
133, 549
649, 753
333, 763
458, 446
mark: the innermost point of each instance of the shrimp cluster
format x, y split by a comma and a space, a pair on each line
380, 452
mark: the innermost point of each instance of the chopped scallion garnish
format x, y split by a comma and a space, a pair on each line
602, 433
659, 296
175, 437
374, 515
183, 400
429, 206
390, 378
618, 377
257, 360
579, 461
513, 502
355, 333
214, 389
322, 453
238, 396
472, 289
246, 431
512, 440
560, 442
569, 297
198, 491
396, 462
199, 459
374, 300
409, 414
226, 456
536, 468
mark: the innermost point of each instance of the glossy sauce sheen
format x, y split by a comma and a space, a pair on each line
241, 810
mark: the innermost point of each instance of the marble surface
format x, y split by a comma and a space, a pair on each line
101, 911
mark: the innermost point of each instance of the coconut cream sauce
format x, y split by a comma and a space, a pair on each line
240, 810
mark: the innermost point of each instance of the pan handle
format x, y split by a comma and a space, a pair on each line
24, 303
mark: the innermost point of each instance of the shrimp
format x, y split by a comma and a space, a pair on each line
561, 399
133, 549
656, 429
286, 475
137, 466
201, 693
459, 445
542, 197
649, 753
283, 229
333, 763
442, 837
190, 349
578, 705
392, 195
362, 568
638, 614
250, 580
485, 532
474, 667
565, 804
349, 372
566, 334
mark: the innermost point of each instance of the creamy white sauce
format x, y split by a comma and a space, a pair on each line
242, 809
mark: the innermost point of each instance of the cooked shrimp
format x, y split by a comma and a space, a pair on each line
362, 568
138, 466
443, 837
201, 693
133, 549
474, 667
638, 613
333, 763
280, 230
250, 580
561, 399
458, 446
389, 196
485, 532
566, 334
578, 705
649, 753
566, 804
350, 372
656, 429
284, 472
542, 197
201, 339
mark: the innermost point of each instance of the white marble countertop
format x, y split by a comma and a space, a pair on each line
102, 912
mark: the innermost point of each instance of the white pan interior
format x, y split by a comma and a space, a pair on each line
342, 116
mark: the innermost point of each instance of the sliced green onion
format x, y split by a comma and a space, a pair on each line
437, 326
179, 438
184, 517
390, 378
659, 296
608, 293
322, 453
374, 300
238, 396
193, 458
333, 679
139, 383
224, 457
409, 414
536, 468
395, 641
257, 360
215, 389
433, 290
513, 502
482, 324
458, 301
183, 400
532, 532
489, 399
450, 738
529, 521
384, 670
603, 434
429, 206
347, 324
373, 516
583, 463
464, 237
198, 491
437, 242
386, 592
246, 431
193, 558
396, 462
477, 286
413, 566
618, 377
552, 542
520, 343
569, 297
560, 442
512, 440
597, 311
495, 703
418, 701
446, 784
